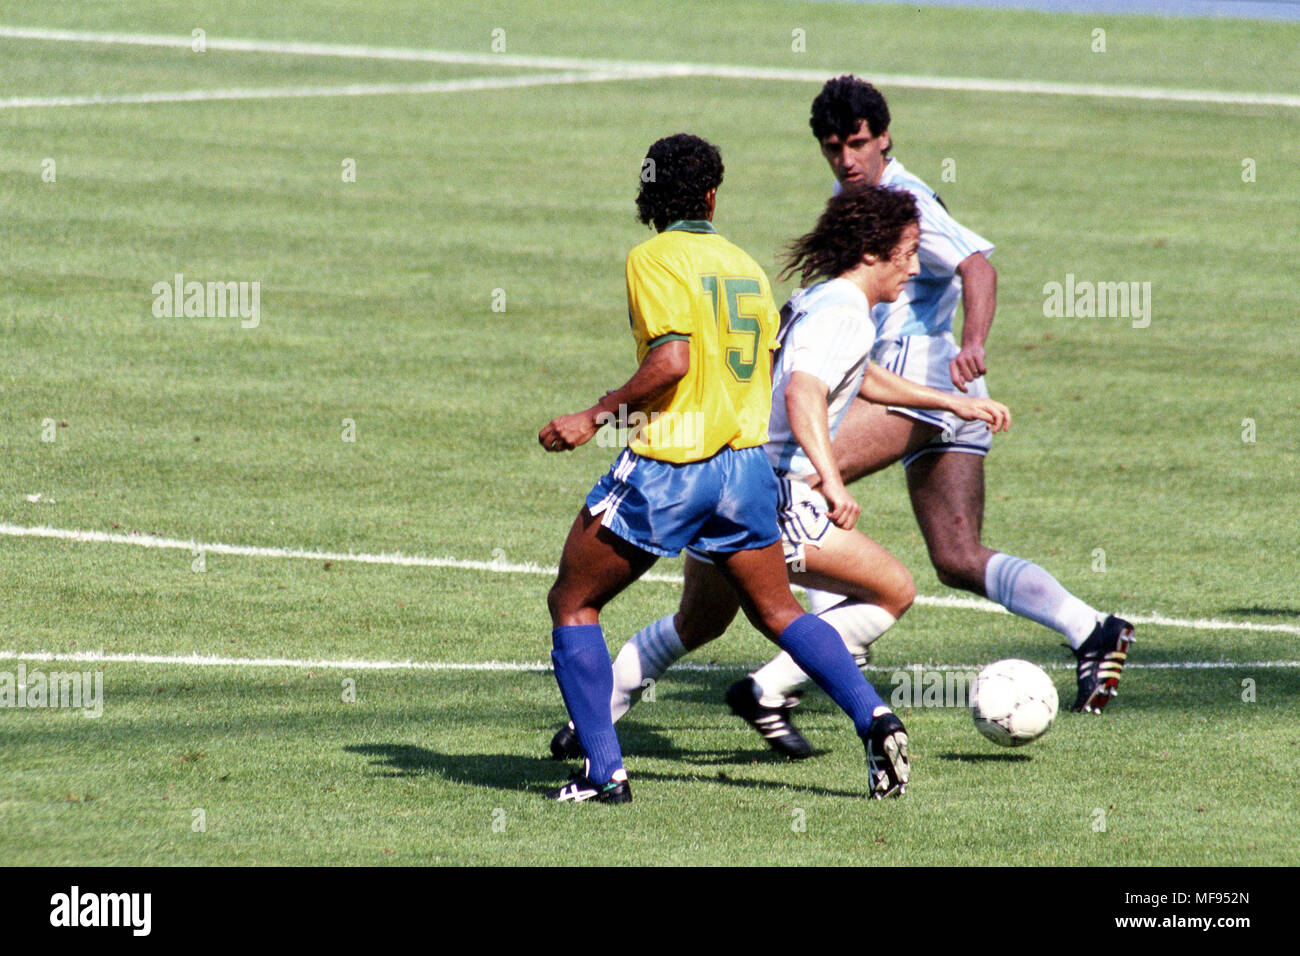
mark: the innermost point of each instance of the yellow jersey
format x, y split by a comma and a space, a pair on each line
690, 283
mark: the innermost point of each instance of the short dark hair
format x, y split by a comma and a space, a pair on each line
843, 103
859, 221
677, 174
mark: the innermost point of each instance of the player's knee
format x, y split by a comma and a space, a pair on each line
555, 602
956, 569
773, 621
698, 629
904, 593
850, 460
567, 608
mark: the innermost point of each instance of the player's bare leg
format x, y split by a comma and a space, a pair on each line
947, 493
948, 497
879, 591
871, 437
595, 566
759, 577
850, 563
707, 608
709, 604
762, 583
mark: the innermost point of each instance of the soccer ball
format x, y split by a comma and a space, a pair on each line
1013, 702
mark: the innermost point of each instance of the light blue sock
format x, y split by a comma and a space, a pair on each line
1024, 588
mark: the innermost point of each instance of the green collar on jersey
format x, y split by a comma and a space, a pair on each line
691, 225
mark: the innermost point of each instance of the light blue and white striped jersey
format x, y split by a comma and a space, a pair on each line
929, 301
829, 334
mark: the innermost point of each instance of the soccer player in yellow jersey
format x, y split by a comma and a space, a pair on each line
864, 248
695, 475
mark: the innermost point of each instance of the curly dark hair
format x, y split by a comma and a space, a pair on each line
859, 221
677, 174
843, 103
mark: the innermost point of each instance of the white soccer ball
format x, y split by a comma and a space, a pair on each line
1013, 702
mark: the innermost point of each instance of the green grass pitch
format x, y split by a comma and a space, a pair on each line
1152, 469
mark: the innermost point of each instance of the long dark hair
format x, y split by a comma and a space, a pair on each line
859, 221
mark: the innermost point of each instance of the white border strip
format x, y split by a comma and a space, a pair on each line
504, 567
635, 69
206, 660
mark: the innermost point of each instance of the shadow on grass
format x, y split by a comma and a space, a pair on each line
538, 774
1264, 611
640, 740
504, 771
709, 690
727, 780
738, 758
986, 758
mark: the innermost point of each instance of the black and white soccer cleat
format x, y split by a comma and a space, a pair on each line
580, 789
1101, 660
772, 723
888, 766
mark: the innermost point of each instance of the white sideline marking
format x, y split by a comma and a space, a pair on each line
208, 660
643, 69
297, 92
205, 660
503, 567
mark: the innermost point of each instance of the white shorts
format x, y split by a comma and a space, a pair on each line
803, 516
924, 359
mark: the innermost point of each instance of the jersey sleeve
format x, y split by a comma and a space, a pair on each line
659, 301
828, 343
944, 241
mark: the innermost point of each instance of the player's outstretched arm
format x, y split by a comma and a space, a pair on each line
883, 387
663, 367
805, 406
979, 298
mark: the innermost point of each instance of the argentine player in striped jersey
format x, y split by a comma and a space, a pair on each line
865, 248
705, 327
944, 457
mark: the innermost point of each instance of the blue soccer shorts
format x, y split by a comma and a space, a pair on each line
722, 504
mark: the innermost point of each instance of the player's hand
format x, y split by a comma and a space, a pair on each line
569, 431
967, 366
996, 414
844, 510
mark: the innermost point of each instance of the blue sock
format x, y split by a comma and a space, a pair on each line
586, 679
817, 648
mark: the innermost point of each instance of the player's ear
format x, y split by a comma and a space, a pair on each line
711, 201
888, 142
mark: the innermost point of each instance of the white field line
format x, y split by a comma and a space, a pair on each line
644, 69
297, 92
504, 567
205, 660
